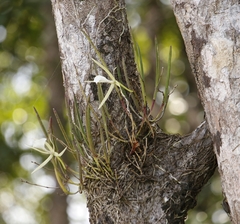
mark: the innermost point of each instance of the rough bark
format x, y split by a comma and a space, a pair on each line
157, 186
159, 180
211, 33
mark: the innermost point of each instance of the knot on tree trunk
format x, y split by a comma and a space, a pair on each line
158, 182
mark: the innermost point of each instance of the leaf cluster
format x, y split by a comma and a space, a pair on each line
93, 158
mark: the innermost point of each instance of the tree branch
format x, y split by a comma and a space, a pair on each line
211, 33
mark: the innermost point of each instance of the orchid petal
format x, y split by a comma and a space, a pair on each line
107, 95
43, 151
59, 154
101, 79
105, 69
49, 147
39, 143
43, 164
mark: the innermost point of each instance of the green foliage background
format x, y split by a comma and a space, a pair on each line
27, 69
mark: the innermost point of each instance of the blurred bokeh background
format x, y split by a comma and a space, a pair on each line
30, 76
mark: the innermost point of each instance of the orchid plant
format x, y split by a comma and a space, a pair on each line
113, 82
44, 147
81, 140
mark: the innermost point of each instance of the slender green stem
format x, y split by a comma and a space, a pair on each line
141, 71
88, 131
166, 93
158, 70
40, 122
133, 96
69, 144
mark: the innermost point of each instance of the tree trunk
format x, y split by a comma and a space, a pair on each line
134, 173
211, 33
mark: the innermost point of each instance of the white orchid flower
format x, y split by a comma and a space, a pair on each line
102, 79
44, 147
113, 82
